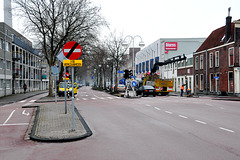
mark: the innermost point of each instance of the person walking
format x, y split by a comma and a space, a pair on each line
25, 87
182, 88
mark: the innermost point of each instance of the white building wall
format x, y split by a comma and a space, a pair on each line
6, 12
157, 49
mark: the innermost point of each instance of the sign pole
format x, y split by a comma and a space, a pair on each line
65, 92
73, 128
55, 89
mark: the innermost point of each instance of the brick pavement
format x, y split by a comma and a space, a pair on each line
53, 125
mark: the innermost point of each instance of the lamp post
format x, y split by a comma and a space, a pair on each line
125, 43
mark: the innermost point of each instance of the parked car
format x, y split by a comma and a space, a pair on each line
121, 88
146, 90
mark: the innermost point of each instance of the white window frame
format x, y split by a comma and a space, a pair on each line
201, 82
217, 59
196, 62
229, 60
197, 81
211, 60
229, 81
201, 62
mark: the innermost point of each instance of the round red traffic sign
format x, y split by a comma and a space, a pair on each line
72, 50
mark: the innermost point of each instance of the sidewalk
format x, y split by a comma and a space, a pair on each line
19, 97
214, 97
49, 122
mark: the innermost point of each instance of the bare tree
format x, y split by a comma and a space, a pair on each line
116, 53
54, 22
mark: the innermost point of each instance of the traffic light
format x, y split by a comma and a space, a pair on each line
126, 74
130, 73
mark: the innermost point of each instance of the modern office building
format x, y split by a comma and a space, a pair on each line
164, 49
19, 63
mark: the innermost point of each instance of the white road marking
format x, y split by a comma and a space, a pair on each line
157, 108
200, 122
15, 124
84, 99
22, 101
148, 105
183, 116
93, 98
109, 97
209, 105
78, 99
32, 101
168, 112
9, 117
225, 129
24, 113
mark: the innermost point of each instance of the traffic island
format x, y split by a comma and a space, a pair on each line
51, 124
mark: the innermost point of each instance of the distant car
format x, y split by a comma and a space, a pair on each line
121, 88
146, 90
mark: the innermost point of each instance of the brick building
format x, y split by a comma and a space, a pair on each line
216, 62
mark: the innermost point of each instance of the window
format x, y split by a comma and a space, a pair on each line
9, 65
1, 83
8, 84
201, 62
231, 57
8, 47
196, 82
230, 82
210, 60
211, 82
1, 43
217, 59
1, 63
201, 82
196, 63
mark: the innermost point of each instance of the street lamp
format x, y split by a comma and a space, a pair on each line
125, 43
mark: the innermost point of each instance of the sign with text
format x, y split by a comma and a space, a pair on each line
170, 46
72, 63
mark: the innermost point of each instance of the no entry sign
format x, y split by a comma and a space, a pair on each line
72, 50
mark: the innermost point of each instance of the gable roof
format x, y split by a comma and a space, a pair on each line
216, 38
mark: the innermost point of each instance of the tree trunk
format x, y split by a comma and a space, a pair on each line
50, 91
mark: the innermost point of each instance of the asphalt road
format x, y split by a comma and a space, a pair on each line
152, 128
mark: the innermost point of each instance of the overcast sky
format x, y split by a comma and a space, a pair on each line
154, 19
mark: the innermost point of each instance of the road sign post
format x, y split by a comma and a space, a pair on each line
72, 51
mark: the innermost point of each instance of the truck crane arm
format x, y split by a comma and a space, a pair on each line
168, 61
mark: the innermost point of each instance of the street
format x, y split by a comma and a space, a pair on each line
153, 128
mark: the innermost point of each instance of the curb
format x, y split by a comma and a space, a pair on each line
34, 138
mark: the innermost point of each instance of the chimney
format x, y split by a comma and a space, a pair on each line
228, 26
